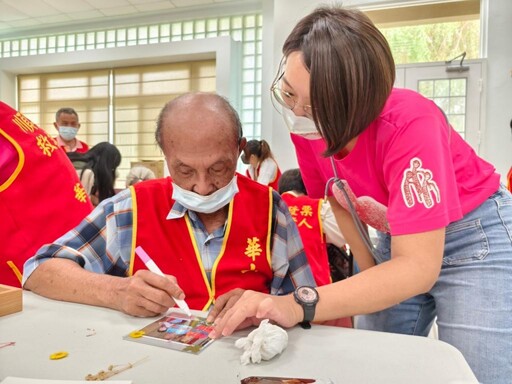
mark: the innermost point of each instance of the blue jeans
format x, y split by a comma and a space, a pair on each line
472, 298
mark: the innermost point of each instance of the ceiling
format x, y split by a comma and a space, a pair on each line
32, 17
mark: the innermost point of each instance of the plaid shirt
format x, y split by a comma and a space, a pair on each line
102, 243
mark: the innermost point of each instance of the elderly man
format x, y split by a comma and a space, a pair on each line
211, 231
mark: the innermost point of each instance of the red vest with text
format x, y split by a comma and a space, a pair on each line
245, 258
306, 214
41, 197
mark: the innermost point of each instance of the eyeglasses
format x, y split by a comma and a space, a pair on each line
286, 99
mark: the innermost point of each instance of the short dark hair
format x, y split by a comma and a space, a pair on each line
220, 100
351, 67
66, 110
291, 180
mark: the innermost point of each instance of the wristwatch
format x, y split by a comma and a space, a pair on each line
307, 297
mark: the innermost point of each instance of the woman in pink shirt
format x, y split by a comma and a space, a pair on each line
394, 163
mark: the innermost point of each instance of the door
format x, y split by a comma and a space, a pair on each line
458, 93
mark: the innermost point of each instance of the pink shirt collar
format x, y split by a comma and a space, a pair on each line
63, 144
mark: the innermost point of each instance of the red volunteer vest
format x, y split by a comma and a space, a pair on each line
306, 214
244, 260
274, 183
41, 197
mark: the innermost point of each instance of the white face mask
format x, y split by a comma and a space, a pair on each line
68, 133
205, 204
300, 125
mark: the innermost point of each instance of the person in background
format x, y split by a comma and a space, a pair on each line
394, 163
97, 170
40, 195
263, 167
315, 220
67, 125
139, 173
194, 226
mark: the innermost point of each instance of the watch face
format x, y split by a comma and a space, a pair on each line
307, 294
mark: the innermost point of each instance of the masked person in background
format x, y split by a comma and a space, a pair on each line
193, 225
67, 124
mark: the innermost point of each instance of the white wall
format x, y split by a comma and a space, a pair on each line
285, 14
497, 140
496, 144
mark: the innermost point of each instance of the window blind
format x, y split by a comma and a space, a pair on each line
40, 96
132, 102
139, 95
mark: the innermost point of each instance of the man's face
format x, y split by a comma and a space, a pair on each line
201, 150
67, 120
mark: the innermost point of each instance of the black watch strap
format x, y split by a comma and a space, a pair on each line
305, 324
309, 313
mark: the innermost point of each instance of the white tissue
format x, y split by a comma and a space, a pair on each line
263, 343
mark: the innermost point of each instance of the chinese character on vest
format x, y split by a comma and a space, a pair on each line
41, 197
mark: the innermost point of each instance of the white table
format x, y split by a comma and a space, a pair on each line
339, 354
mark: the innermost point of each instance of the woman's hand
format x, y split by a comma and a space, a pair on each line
252, 307
223, 303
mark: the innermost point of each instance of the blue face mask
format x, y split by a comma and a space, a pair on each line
67, 133
205, 204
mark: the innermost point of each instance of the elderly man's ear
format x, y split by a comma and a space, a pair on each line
242, 144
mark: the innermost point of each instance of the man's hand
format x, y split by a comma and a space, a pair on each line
147, 294
144, 294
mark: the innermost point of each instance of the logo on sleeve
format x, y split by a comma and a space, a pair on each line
418, 186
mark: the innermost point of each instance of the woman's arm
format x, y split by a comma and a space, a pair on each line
348, 228
413, 269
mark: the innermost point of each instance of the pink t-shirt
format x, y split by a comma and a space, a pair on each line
9, 159
408, 172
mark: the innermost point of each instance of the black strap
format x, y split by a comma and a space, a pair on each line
305, 324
